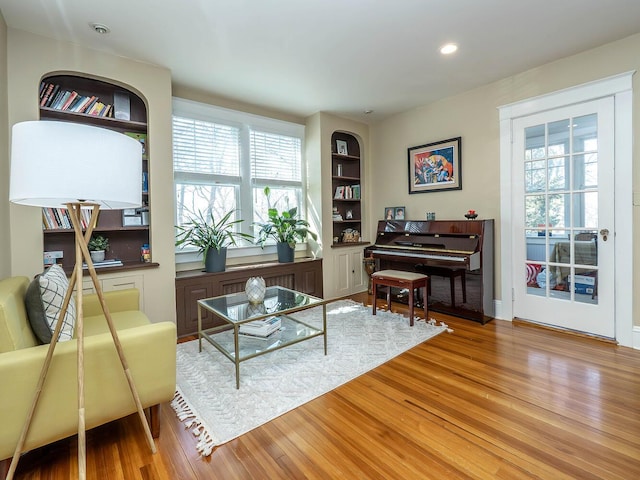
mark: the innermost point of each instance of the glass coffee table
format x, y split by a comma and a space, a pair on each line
236, 310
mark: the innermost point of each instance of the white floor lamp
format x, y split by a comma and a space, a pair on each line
75, 166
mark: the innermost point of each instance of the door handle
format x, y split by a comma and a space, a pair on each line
605, 233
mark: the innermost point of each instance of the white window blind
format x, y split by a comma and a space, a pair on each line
275, 157
205, 147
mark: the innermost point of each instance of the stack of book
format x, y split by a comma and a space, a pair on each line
113, 262
261, 328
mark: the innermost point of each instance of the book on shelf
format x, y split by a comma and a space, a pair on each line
61, 100
113, 262
59, 218
55, 98
47, 94
339, 192
261, 328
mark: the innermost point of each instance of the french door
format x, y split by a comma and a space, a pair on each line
562, 223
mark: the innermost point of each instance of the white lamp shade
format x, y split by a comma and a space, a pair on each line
55, 163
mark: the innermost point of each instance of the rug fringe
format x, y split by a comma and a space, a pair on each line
187, 415
434, 322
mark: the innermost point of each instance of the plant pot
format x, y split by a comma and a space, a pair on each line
97, 255
285, 252
215, 261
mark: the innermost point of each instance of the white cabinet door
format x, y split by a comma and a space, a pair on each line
349, 272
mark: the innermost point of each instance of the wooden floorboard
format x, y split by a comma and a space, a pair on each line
494, 401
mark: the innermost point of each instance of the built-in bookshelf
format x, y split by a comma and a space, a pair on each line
99, 103
347, 189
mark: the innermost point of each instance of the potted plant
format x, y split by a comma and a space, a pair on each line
285, 228
97, 246
211, 238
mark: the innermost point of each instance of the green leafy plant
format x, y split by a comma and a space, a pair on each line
283, 226
97, 243
205, 233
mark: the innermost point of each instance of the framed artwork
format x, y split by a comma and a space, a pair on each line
389, 213
399, 213
435, 166
341, 147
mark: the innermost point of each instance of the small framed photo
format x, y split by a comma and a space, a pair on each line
399, 213
349, 214
389, 213
341, 147
435, 166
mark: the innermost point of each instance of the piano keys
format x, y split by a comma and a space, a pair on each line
457, 255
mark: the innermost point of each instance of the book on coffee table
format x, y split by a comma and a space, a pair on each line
261, 328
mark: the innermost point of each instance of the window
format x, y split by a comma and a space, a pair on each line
223, 159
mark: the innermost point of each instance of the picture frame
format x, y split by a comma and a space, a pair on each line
399, 213
341, 147
389, 213
436, 166
349, 215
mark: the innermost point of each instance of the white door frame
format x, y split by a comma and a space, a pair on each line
619, 87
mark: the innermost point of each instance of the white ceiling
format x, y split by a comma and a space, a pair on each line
339, 56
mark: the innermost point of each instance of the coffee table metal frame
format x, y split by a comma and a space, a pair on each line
235, 309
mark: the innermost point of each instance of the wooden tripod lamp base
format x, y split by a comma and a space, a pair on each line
82, 252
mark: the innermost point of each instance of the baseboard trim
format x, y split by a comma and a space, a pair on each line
636, 338
528, 323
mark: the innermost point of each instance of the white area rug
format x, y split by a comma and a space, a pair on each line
272, 384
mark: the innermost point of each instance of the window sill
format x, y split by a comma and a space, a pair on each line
189, 259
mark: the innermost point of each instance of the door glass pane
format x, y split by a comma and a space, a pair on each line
585, 210
586, 248
585, 133
558, 173
535, 211
534, 175
585, 171
535, 241
535, 279
558, 209
559, 137
534, 143
585, 285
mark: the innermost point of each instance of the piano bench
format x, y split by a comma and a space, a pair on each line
400, 279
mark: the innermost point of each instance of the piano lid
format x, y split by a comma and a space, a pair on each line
429, 236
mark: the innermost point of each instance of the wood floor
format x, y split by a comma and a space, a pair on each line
498, 401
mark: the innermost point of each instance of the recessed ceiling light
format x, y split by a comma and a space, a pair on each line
367, 112
100, 28
448, 49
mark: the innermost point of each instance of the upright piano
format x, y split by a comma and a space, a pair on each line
457, 256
